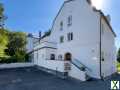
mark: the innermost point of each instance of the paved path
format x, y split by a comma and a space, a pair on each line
33, 79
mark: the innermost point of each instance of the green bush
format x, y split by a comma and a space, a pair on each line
20, 56
8, 60
118, 67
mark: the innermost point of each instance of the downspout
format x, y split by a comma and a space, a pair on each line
100, 50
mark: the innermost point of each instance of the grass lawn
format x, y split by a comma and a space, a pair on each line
118, 67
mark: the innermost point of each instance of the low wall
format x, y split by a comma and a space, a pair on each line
77, 74
15, 65
53, 65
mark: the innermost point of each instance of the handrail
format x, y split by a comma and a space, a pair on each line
80, 68
81, 64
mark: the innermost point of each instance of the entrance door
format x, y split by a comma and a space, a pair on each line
68, 57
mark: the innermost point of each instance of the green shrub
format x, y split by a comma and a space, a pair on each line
118, 67
8, 60
20, 56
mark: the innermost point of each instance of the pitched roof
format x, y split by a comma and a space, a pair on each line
94, 9
106, 20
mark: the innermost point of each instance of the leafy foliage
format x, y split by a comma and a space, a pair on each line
2, 16
118, 67
1, 9
17, 42
118, 55
3, 41
12, 44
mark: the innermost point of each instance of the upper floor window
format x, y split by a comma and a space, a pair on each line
70, 36
61, 39
61, 25
69, 21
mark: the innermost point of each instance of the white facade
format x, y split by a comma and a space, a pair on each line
91, 37
31, 43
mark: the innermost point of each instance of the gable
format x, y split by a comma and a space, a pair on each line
93, 9
65, 5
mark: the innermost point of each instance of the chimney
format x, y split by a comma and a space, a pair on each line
89, 1
30, 35
39, 34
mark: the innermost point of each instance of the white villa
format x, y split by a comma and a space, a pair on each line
81, 43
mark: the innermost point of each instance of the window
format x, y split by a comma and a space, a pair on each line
60, 57
61, 25
52, 57
70, 36
37, 55
70, 20
61, 39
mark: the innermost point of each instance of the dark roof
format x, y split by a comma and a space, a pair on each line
46, 34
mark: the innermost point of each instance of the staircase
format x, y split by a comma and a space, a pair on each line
81, 67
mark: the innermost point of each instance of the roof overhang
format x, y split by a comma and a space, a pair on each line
108, 23
105, 18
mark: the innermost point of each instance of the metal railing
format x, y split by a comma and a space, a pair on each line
80, 65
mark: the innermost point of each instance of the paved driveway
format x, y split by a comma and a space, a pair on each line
34, 79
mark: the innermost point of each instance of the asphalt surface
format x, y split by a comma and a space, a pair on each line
34, 79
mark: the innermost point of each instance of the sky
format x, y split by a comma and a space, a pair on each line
33, 16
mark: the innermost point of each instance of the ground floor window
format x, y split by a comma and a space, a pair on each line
60, 57
52, 56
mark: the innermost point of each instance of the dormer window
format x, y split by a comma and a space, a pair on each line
69, 21
61, 25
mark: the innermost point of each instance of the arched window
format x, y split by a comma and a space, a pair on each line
60, 57
68, 56
52, 56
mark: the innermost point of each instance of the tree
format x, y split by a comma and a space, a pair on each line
3, 32
17, 43
12, 44
118, 55
3, 41
2, 16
